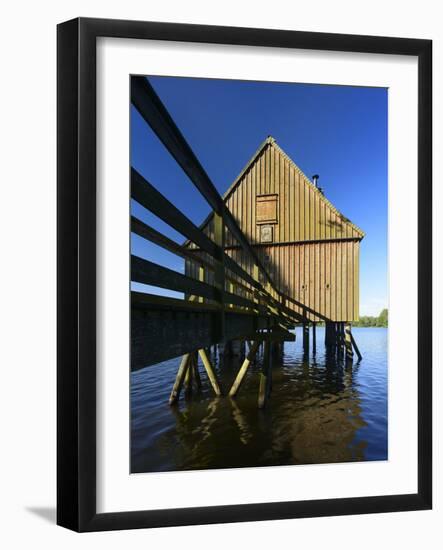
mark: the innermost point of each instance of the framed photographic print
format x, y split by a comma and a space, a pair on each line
244, 274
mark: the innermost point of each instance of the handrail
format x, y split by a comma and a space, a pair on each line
151, 108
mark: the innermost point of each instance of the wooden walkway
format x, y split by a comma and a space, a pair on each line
238, 304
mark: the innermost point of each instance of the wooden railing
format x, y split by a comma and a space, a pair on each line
233, 290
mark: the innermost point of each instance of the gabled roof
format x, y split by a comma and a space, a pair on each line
270, 141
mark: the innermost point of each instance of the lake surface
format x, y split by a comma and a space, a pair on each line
319, 411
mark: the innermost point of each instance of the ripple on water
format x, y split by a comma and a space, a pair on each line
320, 411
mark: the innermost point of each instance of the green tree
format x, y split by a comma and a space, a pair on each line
383, 318
368, 321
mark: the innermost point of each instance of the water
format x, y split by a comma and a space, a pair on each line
320, 411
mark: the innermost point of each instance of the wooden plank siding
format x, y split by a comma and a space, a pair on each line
314, 254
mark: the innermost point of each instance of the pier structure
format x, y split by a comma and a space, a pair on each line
273, 254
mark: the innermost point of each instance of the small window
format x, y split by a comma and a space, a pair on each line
266, 209
266, 234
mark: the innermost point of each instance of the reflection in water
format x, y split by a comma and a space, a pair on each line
321, 410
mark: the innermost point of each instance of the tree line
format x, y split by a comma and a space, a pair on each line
368, 321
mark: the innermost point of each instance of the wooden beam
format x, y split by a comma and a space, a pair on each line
151, 108
314, 338
161, 334
219, 272
144, 230
148, 196
348, 343
265, 376
189, 378
305, 338
210, 371
242, 371
146, 272
179, 379
357, 351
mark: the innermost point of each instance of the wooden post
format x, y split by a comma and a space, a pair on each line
357, 351
338, 339
210, 371
348, 343
188, 378
314, 339
201, 277
179, 379
256, 277
232, 291
219, 270
332, 335
242, 371
265, 375
305, 338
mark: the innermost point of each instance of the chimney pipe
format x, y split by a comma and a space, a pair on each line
315, 181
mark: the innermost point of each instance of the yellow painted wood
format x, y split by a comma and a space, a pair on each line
305, 263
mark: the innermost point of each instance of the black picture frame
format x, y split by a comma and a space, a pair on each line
76, 265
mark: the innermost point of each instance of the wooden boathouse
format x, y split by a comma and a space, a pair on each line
309, 248
274, 253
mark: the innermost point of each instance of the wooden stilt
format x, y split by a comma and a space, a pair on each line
354, 345
305, 338
263, 392
210, 371
338, 339
242, 371
348, 343
314, 338
188, 378
179, 379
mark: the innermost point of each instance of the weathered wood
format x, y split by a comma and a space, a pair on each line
149, 105
314, 253
189, 376
339, 331
147, 232
348, 343
219, 273
148, 302
314, 339
148, 196
265, 376
210, 371
201, 278
146, 272
354, 345
305, 338
242, 371
179, 379
159, 333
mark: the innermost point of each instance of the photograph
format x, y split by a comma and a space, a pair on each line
259, 274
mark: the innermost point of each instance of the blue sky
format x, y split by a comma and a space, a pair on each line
339, 132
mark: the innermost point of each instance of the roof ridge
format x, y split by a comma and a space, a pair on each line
268, 141
316, 189
271, 141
